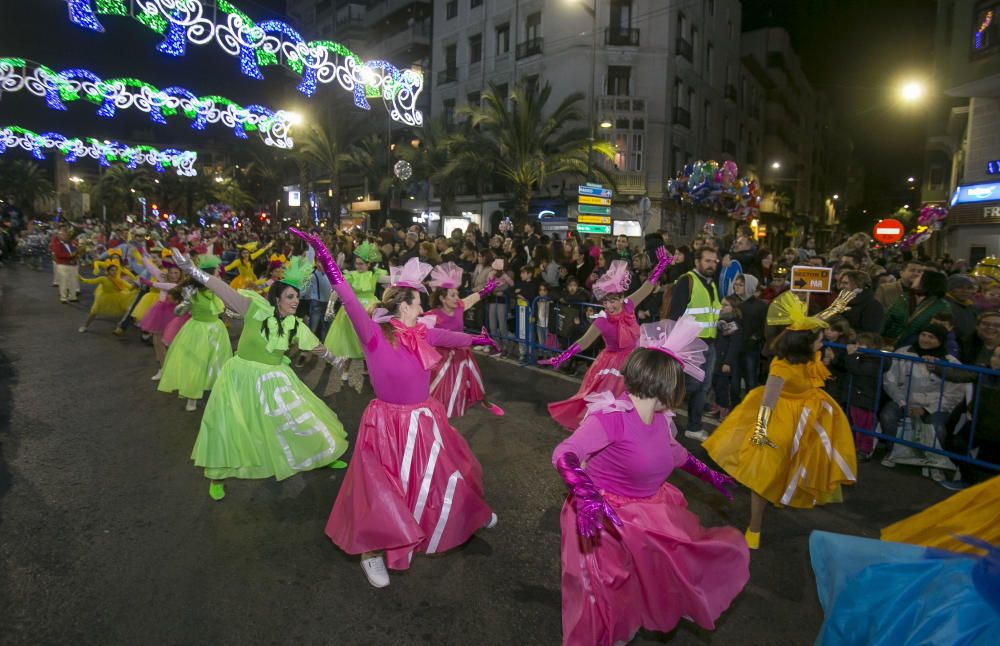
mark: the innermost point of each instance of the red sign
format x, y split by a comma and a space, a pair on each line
888, 231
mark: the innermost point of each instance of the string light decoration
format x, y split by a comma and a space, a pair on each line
104, 151
271, 42
111, 95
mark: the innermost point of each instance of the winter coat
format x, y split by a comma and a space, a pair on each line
863, 372
866, 314
910, 383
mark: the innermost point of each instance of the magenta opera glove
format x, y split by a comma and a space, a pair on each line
484, 338
591, 508
566, 355
323, 255
700, 470
662, 262
491, 284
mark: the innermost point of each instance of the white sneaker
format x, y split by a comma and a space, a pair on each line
492, 522
701, 436
81, 329
156, 377
375, 570
191, 406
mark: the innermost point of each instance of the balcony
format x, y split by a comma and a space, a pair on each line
731, 92
414, 40
629, 182
685, 49
529, 48
447, 76
621, 37
379, 10
682, 117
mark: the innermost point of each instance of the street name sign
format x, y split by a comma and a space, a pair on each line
596, 201
593, 219
586, 209
604, 229
594, 191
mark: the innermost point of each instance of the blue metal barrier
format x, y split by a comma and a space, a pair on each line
944, 367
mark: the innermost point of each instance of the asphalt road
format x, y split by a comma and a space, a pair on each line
108, 536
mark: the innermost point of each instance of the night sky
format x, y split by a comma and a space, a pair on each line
854, 51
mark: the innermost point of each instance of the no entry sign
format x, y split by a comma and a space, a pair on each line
888, 231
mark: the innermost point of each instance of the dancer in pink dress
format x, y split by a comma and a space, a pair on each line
413, 485
654, 564
456, 382
157, 317
620, 331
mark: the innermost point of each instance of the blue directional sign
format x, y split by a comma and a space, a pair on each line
594, 191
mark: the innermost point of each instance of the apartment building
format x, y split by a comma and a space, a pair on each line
670, 84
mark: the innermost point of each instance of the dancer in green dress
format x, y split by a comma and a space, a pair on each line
341, 339
261, 421
196, 355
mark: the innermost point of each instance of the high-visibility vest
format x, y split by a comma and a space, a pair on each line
704, 307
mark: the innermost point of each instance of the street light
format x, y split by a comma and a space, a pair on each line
911, 179
75, 179
606, 124
776, 165
592, 10
294, 118
836, 196
912, 91
218, 179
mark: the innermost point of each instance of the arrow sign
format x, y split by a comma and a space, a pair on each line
596, 201
595, 191
811, 279
586, 209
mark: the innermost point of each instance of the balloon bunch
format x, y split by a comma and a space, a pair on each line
916, 237
505, 226
932, 216
707, 183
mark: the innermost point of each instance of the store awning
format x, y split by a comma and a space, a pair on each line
974, 213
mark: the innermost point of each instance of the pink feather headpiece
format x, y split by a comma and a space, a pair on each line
614, 281
678, 340
411, 275
446, 276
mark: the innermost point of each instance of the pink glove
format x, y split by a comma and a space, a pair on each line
591, 508
557, 361
491, 284
662, 261
700, 470
484, 338
322, 255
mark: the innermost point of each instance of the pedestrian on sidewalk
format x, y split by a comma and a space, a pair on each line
633, 556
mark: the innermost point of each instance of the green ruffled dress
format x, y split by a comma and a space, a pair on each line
341, 339
261, 420
197, 354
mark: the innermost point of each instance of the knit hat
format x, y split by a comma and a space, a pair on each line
956, 281
937, 330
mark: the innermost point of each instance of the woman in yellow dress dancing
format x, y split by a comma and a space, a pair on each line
788, 441
244, 265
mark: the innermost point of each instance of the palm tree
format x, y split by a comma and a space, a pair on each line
26, 182
369, 157
119, 188
319, 149
229, 191
528, 144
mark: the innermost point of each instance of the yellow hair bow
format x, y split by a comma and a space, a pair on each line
788, 311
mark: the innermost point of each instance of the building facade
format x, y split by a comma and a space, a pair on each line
963, 149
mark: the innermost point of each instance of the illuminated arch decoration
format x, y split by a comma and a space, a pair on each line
104, 151
111, 95
257, 45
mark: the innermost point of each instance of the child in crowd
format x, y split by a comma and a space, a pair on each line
542, 315
525, 290
946, 319
840, 331
864, 371
727, 348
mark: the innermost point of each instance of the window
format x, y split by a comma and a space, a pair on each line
690, 101
681, 25
451, 9
451, 57
621, 15
619, 77
475, 49
707, 119
985, 28
503, 90
475, 3
533, 26
711, 7
678, 159
679, 93
474, 99
503, 39
635, 153
709, 55
449, 111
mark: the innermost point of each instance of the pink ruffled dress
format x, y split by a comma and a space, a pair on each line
621, 335
157, 317
457, 382
413, 484
661, 565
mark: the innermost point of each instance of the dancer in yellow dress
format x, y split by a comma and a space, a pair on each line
115, 289
244, 265
788, 441
972, 512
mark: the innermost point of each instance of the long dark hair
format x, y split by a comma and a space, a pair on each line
273, 296
795, 346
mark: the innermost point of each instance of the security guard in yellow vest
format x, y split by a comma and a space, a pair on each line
695, 293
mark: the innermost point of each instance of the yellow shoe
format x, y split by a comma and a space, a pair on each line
753, 539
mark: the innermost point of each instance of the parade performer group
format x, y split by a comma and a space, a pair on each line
632, 555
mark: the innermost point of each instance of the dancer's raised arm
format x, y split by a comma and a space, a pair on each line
232, 299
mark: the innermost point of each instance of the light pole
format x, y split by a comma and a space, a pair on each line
592, 10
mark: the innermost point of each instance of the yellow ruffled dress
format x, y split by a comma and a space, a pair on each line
815, 445
972, 512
